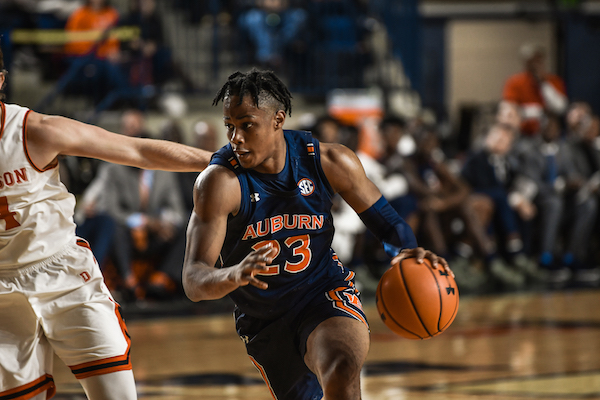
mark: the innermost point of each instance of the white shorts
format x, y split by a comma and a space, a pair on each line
61, 306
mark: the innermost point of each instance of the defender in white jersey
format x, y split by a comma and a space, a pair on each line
52, 294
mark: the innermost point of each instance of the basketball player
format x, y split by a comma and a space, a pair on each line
52, 295
261, 232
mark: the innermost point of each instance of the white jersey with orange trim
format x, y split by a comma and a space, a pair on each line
36, 210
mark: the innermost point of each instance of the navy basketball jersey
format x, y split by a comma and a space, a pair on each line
291, 210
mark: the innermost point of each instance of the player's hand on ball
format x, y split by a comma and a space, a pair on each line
254, 263
420, 254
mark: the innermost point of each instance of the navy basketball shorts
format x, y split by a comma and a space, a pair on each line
277, 347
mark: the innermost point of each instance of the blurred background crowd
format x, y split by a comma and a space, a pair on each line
477, 120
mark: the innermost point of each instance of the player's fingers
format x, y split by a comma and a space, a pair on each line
262, 255
401, 256
442, 261
420, 254
257, 283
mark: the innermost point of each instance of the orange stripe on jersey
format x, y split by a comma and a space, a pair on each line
106, 365
2, 118
233, 162
26, 149
263, 374
31, 389
83, 243
335, 295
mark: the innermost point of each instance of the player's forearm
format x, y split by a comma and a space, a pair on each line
385, 223
201, 282
169, 156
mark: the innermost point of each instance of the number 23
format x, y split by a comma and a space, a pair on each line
300, 247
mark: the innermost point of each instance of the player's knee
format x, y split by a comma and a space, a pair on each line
341, 369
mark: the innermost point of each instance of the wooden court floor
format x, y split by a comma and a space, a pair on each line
535, 345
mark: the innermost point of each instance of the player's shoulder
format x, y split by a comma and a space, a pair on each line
217, 190
215, 175
337, 154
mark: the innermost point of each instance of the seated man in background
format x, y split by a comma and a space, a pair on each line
490, 171
584, 144
547, 163
442, 198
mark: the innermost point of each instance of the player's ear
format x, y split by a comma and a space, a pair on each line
279, 119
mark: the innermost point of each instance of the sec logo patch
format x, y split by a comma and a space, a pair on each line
306, 186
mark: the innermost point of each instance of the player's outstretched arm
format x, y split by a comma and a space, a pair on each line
217, 194
347, 177
51, 136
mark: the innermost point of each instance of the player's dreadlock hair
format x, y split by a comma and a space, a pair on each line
2, 71
261, 85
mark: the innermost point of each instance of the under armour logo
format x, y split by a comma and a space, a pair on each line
449, 290
254, 197
245, 339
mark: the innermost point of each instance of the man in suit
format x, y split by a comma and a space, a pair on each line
547, 163
490, 172
149, 213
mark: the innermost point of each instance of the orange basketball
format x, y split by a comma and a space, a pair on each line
415, 300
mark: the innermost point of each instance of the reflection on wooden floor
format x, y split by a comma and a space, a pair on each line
513, 347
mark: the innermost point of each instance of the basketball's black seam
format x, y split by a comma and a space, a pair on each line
412, 302
455, 303
432, 271
391, 316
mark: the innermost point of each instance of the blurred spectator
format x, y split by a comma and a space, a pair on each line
149, 217
272, 25
508, 114
93, 220
584, 130
339, 42
94, 64
442, 197
95, 15
146, 56
148, 210
578, 119
204, 136
388, 175
491, 172
330, 130
53, 14
348, 225
547, 163
535, 90
195, 10
150, 62
398, 144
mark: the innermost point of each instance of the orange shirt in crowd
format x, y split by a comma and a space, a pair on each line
87, 19
524, 90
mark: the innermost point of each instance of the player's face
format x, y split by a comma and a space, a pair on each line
255, 134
